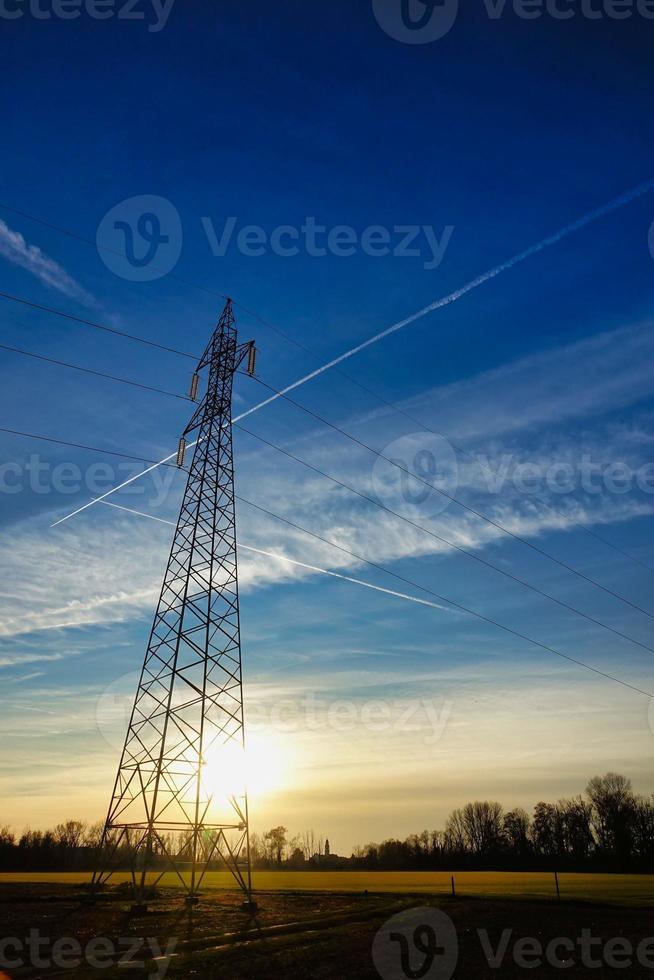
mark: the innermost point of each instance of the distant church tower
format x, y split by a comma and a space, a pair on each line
327, 851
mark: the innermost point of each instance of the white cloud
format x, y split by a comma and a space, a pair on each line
600, 373
122, 557
14, 248
91, 575
109, 569
18, 659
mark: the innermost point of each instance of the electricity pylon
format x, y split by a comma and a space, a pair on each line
179, 801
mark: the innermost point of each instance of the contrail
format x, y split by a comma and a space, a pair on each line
438, 304
347, 578
302, 564
455, 606
595, 215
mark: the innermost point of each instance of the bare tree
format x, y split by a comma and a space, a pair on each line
613, 810
93, 834
70, 834
482, 823
515, 830
276, 841
455, 833
576, 818
643, 829
308, 844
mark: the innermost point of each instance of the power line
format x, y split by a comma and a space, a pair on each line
456, 605
442, 598
441, 538
468, 287
139, 513
104, 248
173, 275
451, 544
396, 408
303, 347
443, 493
586, 219
591, 216
282, 394
484, 466
187, 282
99, 374
132, 479
300, 564
76, 445
95, 325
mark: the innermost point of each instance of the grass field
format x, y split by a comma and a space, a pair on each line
637, 890
323, 926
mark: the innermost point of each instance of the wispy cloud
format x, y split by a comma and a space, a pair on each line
601, 373
97, 575
18, 659
17, 250
23, 678
119, 575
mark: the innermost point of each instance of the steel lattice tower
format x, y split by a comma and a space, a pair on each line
168, 806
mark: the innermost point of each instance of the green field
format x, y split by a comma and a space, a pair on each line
623, 889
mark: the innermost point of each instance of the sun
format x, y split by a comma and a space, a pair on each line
259, 769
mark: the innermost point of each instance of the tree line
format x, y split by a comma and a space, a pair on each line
608, 828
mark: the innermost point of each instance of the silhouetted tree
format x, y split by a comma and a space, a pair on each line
546, 832
482, 824
515, 831
276, 841
613, 814
575, 819
643, 830
608, 829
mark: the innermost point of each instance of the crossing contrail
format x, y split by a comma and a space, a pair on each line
453, 608
613, 205
347, 578
302, 564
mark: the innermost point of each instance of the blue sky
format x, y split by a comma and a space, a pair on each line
492, 138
